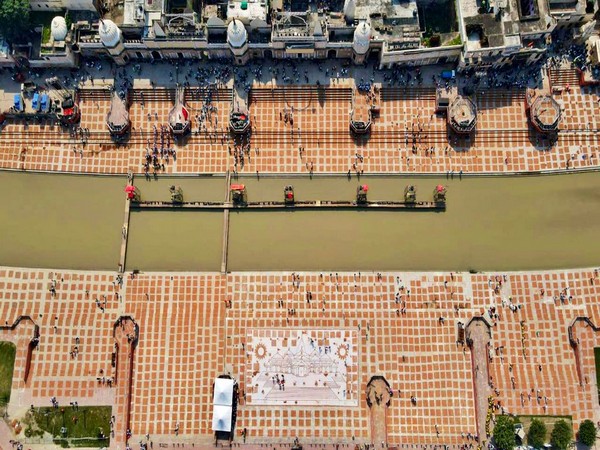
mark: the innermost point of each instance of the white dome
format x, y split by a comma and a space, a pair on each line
362, 38
236, 34
58, 27
110, 35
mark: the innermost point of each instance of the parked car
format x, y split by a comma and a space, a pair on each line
18, 104
448, 74
45, 103
35, 103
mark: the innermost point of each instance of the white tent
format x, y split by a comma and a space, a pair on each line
521, 433
223, 392
221, 418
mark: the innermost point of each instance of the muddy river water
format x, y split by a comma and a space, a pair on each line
502, 223
61, 221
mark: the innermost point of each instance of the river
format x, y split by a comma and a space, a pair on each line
61, 221
491, 223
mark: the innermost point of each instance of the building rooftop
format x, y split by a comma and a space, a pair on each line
501, 23
560, 6
384, 8
131, 13
299, 25
393, 21
247, 10
396, 22
545, 113
308, 5
462, 115
179, 116
118, 115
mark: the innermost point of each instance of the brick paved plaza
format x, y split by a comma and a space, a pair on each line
504, 140
152, 344
403, 326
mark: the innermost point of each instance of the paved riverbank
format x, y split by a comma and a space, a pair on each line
184, 329
407, 137
193, 327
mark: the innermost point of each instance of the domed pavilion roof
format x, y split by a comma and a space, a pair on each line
58, 28
362, 37
110, 35
236, 34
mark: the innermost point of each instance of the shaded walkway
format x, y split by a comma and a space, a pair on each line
478, 339
126, 333
379, 399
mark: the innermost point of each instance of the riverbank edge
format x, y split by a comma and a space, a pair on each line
299, 272
448, 174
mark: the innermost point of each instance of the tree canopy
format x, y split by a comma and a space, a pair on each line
14, 18
561, 436
587, 433
504, 433
536, 436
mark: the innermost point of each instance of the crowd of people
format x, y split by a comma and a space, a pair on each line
158, 150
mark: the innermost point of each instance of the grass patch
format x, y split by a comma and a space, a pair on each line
431, 41
597, 361
8, 351
549, 421
456, 41
83, 426
75, 443
45, 35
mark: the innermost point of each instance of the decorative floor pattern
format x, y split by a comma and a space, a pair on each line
302, 367
403, 326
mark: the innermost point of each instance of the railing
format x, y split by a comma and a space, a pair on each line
33, 343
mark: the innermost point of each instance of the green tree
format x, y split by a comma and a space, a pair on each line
504, 433
536, 436
587, 433
561, 436
14, 18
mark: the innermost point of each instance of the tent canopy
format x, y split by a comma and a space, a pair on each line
223, 392
221, 418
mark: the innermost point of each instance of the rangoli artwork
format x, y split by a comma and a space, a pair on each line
302, 367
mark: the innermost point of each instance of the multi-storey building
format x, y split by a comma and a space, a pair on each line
488, 33
387, 32
501, 32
